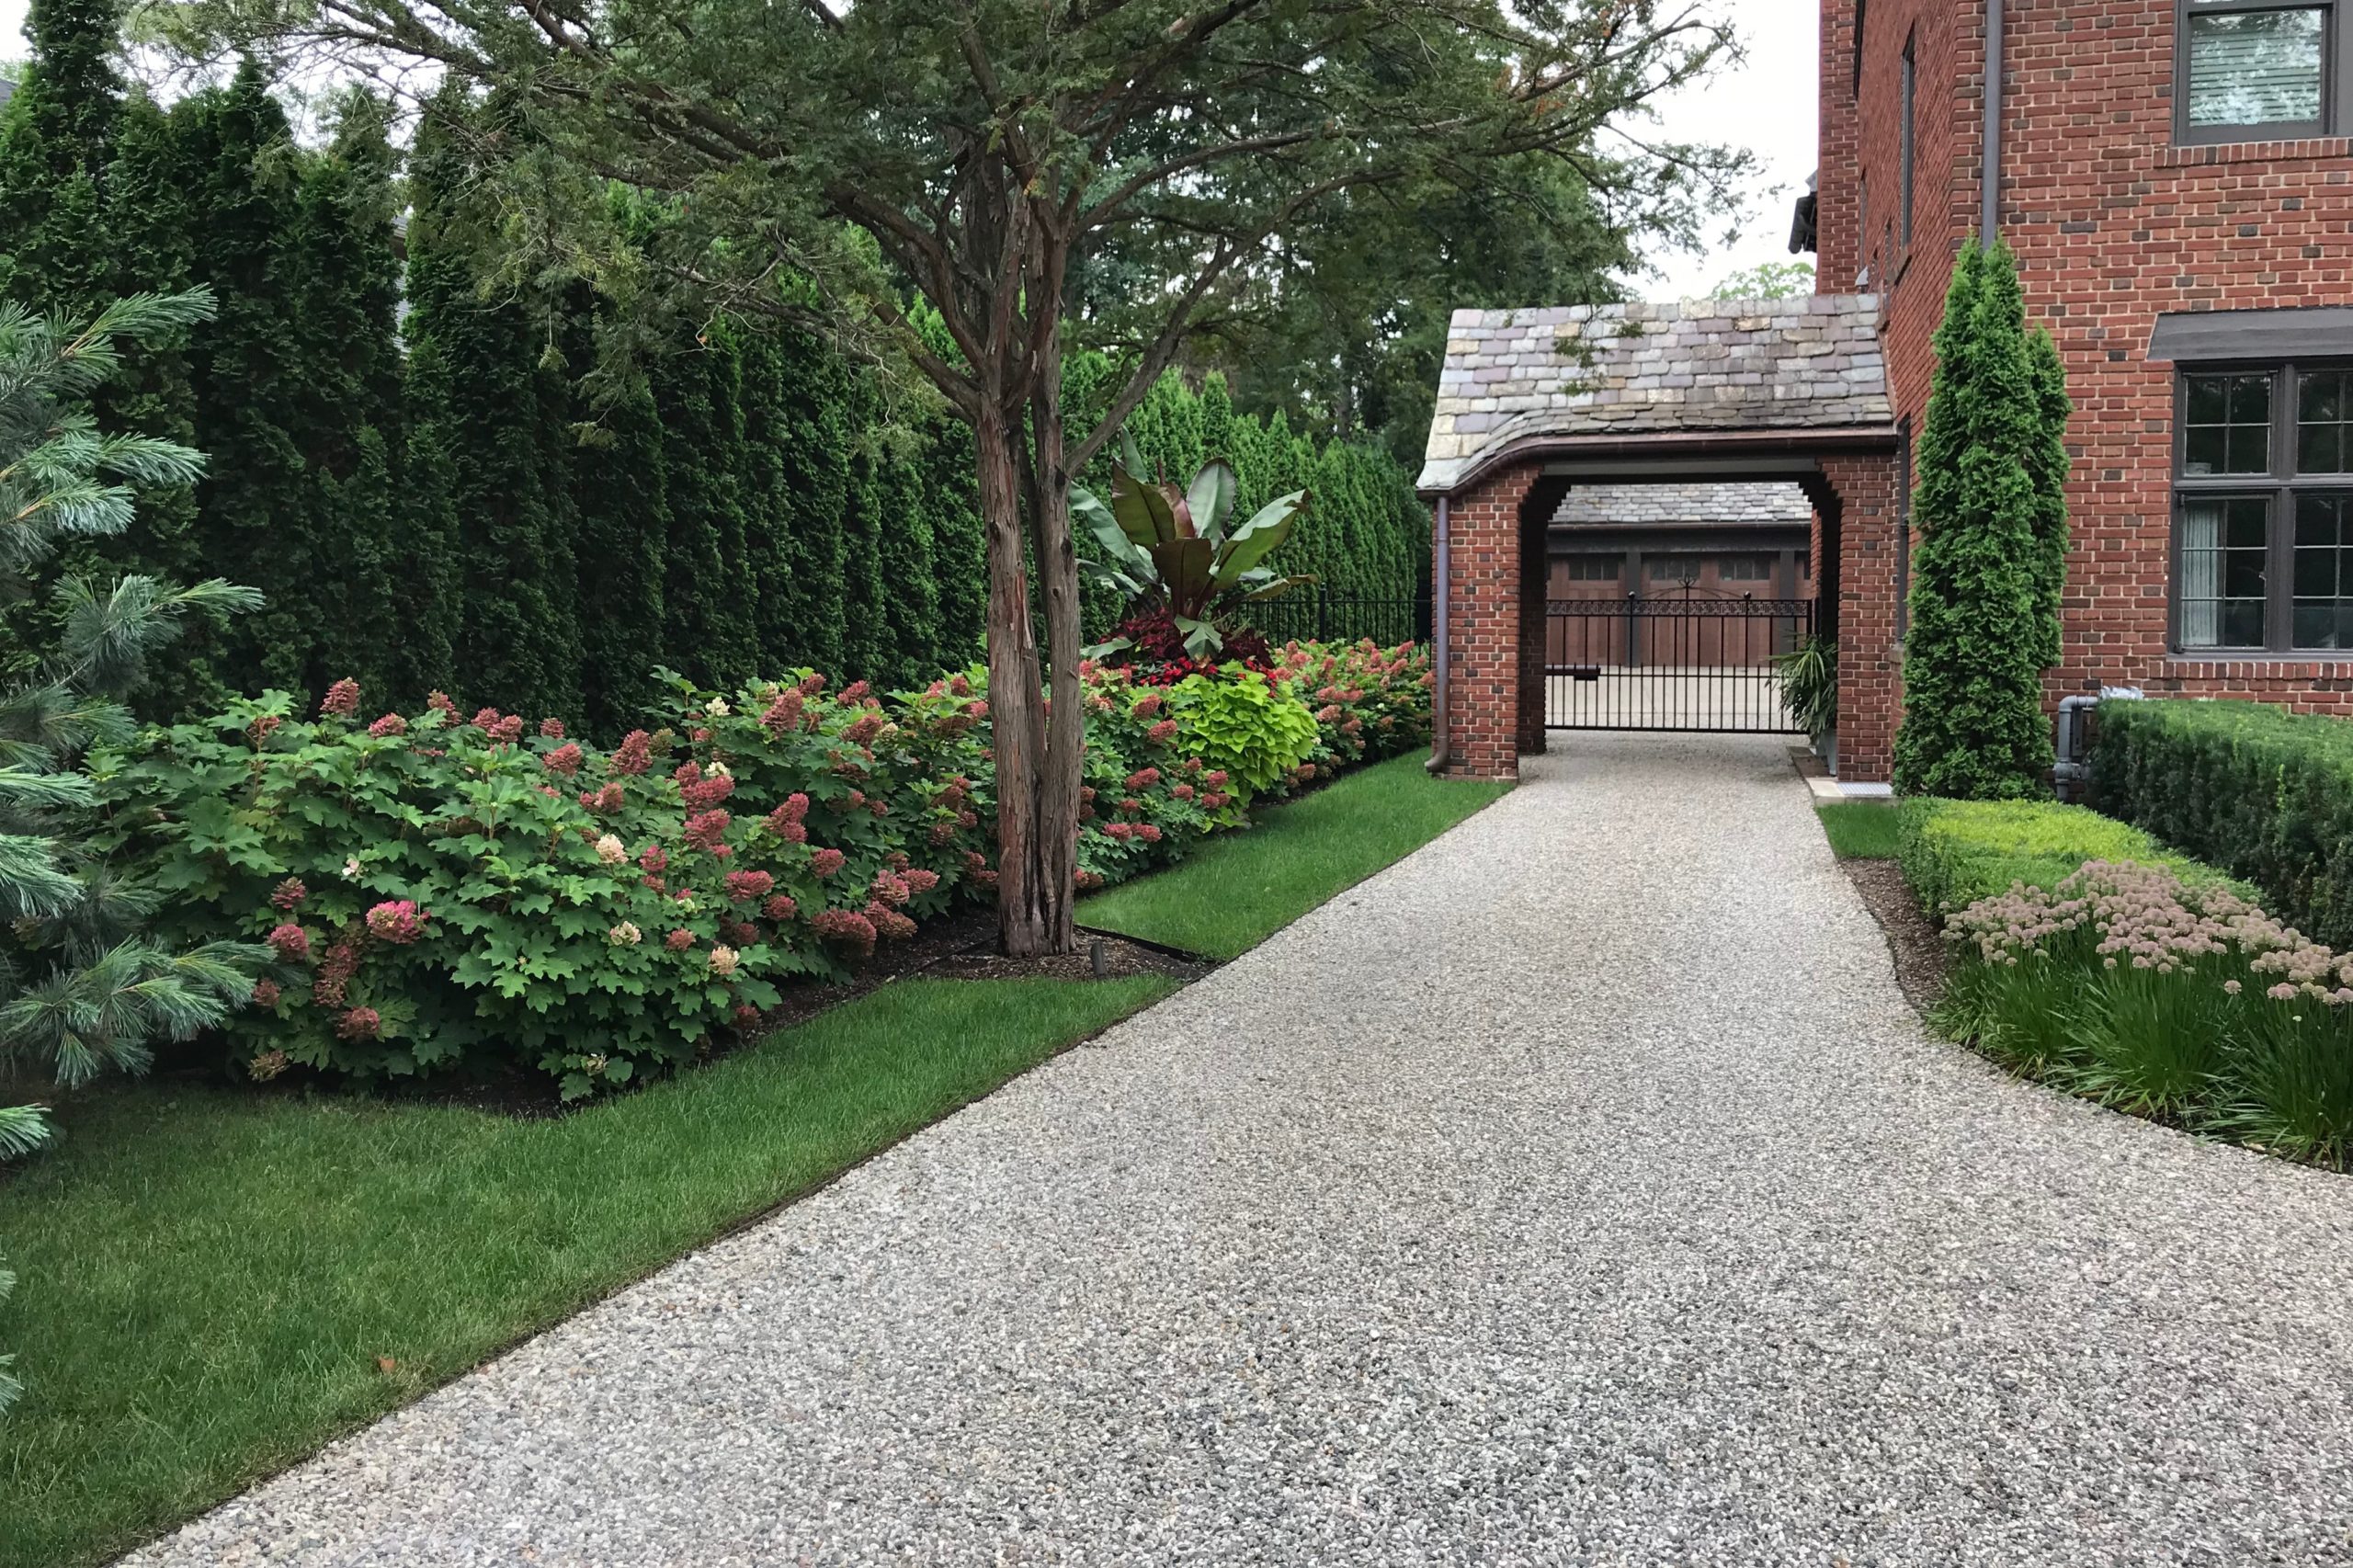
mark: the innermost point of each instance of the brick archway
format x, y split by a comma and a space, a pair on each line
1533, 403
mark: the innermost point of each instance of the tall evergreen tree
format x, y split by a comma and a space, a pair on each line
813, 435
346, 423
489, 435
620, 482
255, 526
57, 136
699, 635
1984, 592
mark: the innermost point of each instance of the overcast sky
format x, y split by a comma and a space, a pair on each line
1765, 103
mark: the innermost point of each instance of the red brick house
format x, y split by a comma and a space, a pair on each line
2177, 180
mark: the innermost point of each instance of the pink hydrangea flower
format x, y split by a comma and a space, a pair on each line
890, 889
843, 925
742, 887
552, 728
342, 699
289, 893
654, 858
1160, 735
708, 831
266, 993
397, 921
508, 729
564, 759
390, 724
439, 702
919, 880
293, 943
779, 907
825, 862
635, 753
360, 1023
679, 941
784, 714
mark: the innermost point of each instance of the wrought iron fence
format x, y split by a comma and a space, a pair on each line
1316, 614
1640, 663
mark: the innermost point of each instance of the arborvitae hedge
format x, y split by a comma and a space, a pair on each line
430, 500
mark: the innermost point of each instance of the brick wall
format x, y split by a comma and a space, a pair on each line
1857, 503
2113, 225
1483, 623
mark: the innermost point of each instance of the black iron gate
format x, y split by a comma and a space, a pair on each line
1637, 663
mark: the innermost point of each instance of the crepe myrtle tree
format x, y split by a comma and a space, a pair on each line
1005, 160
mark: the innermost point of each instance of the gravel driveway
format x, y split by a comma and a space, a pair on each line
1579, 1191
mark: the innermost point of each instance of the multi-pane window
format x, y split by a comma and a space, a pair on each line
1593, 568
2264, 510
2249, 69
1744, 569
1672, 568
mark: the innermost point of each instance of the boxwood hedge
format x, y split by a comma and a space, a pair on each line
2263, 794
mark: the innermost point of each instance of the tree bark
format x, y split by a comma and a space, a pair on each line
1063, 769
1030, 907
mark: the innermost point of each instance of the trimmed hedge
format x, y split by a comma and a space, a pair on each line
2263, 794
1956, 852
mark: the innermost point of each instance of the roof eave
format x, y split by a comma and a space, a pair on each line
1663, 445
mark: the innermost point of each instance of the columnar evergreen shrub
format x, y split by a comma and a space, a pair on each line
441, 496
1989, 568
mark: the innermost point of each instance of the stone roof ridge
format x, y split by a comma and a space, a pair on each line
1807, 362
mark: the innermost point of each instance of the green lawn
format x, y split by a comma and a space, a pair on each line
209, 1276
1860, 830
1233, 892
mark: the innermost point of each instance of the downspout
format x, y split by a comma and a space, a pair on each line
1989, 179
1441, 709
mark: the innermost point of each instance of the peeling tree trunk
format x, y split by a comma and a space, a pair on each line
1037, 785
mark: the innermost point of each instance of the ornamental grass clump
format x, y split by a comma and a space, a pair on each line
2192, 1004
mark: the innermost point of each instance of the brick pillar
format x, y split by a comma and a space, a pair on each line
1871, 694
1535, 577
1483, 621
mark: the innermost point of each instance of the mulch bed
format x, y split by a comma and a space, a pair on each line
1100, 955
1921, 959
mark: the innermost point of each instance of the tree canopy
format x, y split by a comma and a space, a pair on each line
1157, 159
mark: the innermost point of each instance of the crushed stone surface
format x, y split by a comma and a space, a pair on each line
1580, 1190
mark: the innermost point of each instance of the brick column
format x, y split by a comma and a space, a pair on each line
1535, 577
1483, 621
1871, 685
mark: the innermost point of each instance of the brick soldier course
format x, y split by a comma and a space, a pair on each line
1531, 403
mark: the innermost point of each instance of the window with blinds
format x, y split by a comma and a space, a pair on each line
2263, 508
2251, 70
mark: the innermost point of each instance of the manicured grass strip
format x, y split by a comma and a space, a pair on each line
208, 1276
1861, 830
1236, 891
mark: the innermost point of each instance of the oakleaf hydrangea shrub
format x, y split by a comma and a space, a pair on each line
443, 892
2125, 983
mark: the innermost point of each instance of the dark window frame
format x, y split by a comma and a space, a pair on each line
1855, 87
2279, 486
2336, 51
1910, 93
